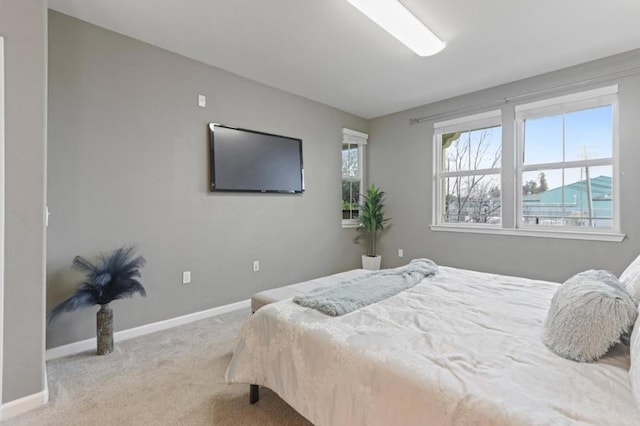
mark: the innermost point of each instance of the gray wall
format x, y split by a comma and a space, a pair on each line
128, 164
23, 26
400, 160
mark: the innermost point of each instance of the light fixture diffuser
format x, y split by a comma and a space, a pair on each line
393, 17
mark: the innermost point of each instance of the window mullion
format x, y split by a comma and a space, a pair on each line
569, 164
471, 173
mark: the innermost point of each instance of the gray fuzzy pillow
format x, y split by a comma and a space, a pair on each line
588, 315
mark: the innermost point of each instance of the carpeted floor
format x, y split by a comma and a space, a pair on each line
173, 377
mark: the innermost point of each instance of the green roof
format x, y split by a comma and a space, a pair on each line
575, 193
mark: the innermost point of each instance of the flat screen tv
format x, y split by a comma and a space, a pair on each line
249, 161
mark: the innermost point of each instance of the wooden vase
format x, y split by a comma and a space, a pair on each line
104, 322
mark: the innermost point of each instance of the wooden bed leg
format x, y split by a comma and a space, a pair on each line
254, 393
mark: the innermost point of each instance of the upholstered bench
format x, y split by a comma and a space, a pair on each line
299, 289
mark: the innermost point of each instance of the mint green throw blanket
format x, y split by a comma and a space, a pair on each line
371, 288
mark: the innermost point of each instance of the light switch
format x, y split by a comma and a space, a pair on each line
202, 101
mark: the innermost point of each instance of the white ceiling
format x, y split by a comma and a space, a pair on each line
327, 51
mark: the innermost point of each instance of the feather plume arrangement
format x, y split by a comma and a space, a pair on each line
115, 276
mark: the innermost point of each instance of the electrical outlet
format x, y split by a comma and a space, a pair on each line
186, 277
256, 265
400, 253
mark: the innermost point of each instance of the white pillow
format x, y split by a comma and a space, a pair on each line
634, 371
630, 279
588, 315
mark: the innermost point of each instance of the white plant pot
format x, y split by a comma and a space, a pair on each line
371, 263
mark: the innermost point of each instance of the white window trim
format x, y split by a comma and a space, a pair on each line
2, 208
590, 98
558, 105
469, 122
483, 119
354, 137
540, 233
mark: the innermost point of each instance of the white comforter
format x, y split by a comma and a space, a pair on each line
460, 348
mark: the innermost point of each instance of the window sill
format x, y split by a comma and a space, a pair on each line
346, 225
540, 233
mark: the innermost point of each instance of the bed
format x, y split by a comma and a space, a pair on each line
461, 347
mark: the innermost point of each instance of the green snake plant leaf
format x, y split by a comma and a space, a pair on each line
372, 218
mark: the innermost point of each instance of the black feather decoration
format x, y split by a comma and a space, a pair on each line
114, 277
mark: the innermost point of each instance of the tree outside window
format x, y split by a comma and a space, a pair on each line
470, 180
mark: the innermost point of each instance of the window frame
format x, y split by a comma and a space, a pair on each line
512, 114
353, 137
601, 97
467, 123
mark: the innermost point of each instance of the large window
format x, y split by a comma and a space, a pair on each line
551, 172
469, 153
566, 162
353, 144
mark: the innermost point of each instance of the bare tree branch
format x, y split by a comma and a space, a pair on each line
474, 197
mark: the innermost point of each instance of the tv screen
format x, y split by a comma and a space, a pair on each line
246, 160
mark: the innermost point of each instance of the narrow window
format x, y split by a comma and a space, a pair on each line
353, 144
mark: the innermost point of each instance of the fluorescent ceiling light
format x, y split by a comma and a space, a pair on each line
402, 24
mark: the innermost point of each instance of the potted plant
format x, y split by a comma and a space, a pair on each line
372, 220
114, 277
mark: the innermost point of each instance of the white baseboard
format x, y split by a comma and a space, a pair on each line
85, 345
22, 405
45, 397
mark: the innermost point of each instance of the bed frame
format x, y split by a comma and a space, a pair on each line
266, 297
254, 394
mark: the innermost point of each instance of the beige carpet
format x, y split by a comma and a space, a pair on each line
173, 377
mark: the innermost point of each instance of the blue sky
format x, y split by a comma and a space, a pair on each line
587, 134
574, 136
